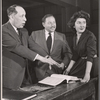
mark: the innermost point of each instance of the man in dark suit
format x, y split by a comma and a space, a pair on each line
57, 48
15, 48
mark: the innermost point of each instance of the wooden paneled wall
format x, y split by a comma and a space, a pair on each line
34, 16
62, 15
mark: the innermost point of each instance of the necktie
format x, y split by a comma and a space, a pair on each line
49, 42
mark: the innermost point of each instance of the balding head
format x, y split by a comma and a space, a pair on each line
16, 16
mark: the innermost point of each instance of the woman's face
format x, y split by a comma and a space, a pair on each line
80, 25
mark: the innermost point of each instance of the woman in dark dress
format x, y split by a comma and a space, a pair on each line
84, 47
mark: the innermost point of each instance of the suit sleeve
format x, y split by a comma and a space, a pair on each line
34, 46
67, 54
14, 46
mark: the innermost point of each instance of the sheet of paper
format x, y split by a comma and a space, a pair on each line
67, 77
53, 81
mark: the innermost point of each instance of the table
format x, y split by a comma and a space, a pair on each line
72, 91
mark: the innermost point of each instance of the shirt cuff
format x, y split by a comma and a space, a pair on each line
35, 57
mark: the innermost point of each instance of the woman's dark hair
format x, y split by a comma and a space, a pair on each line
12, 9
80, 14
46, 16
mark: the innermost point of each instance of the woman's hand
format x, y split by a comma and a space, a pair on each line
66, 72
86, 77
87, 72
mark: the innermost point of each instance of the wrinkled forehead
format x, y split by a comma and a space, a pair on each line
20, 10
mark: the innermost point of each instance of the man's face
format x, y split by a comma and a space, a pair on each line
50, 24
19, 19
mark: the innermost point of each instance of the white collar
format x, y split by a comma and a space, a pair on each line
79, 34
46, 33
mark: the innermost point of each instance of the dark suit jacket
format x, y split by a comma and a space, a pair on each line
60, 52
86, 46
14, 56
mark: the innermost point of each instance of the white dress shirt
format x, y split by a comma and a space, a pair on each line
52, 36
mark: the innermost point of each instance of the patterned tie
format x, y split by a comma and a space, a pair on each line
49, 42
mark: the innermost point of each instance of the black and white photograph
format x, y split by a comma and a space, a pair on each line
50, 49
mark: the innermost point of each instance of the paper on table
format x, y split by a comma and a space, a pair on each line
53, 81
56, 79
67, 77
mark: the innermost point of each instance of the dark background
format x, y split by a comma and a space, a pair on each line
61, 9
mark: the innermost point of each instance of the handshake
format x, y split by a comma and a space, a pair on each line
50, 61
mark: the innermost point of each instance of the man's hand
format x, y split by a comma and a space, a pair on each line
53, 61
47, 59
61, 65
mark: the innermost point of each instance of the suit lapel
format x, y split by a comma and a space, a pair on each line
24, 41
82, 36
12, 32
74, 41
56, 36
43, 41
